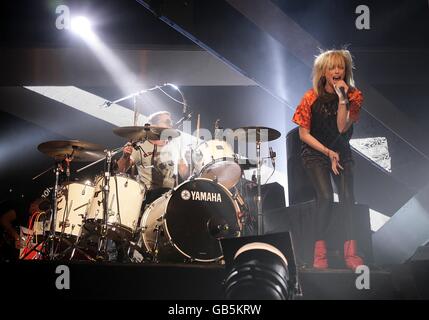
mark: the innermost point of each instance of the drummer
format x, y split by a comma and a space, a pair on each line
155, 160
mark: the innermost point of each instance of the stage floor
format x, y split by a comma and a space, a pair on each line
175, 281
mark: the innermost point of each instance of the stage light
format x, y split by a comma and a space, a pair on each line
81, 26
260, 267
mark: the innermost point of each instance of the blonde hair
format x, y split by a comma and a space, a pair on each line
327, 59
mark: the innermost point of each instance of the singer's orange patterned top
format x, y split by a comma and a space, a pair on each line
302, 116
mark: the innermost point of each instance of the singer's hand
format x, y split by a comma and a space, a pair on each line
335, 162
341, 84
336, 167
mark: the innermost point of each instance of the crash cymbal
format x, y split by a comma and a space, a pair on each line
81, 151
146, 132
255, 133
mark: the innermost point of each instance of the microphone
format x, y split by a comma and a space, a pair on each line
216, 129
107, 104
185, 106
343, 92
136, 145
254, 176
273, 157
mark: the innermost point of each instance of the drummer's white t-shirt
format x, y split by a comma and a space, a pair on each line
156, 165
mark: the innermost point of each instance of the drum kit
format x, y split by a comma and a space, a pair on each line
86, 219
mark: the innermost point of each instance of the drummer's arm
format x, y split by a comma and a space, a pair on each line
126, 161
6, 222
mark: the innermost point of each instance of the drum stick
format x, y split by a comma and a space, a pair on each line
198, 128
136, 114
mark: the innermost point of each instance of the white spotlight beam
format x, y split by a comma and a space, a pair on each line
81, 26
120, 73
88, 103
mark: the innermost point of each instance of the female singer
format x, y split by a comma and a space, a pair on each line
325, 117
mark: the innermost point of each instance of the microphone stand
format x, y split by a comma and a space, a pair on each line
132, 95
54, 210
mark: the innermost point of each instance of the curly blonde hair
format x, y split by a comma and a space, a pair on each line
328, 59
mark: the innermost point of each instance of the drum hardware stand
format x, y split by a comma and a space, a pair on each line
155, 249
258, 181
102, 245
67, 160
51, 238
74, 247
270, 135
191, 161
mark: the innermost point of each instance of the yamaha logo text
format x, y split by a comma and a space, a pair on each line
201, 196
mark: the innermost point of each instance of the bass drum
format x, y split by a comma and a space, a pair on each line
186, 224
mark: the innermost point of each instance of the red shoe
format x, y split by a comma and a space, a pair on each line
350, 255
320, 259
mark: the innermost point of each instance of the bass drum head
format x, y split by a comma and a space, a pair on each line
199, 213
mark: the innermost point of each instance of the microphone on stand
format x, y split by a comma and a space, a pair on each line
107, 104
216, 126
136, 145
254, 176
185, 106
273, 157
68, 170
216, 129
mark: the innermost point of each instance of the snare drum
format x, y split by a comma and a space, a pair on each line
186, 224
215, 160
126, 197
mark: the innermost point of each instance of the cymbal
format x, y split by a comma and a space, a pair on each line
146, 132
255, 133
80, 150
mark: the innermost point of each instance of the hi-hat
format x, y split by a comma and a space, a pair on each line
146, 132
255, 133
80, 151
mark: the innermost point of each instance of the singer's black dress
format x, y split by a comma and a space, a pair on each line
319, 115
